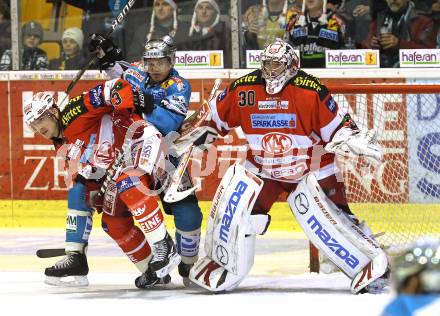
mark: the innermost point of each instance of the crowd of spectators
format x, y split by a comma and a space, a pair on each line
311, 26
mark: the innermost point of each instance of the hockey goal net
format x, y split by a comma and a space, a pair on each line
401, 196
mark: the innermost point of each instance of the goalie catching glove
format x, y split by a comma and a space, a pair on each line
348, 141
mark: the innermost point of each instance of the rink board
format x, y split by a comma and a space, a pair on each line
391, 218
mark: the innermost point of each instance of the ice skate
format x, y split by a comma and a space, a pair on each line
165, 257
184, 270
150, 279
73, 265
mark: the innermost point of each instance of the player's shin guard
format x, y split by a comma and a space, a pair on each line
148, 214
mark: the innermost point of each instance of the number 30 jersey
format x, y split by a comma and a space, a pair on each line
286, 132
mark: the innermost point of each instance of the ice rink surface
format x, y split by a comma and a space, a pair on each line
278, 283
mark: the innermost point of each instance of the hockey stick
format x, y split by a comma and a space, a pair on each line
49, 253
117, 21
171, 194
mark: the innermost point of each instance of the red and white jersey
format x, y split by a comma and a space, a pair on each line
286, 132
95, 124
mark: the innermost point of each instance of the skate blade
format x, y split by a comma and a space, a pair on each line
174, 261
78, 281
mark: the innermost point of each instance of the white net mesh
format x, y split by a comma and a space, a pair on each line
401, 196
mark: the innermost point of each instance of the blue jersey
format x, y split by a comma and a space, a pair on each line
406, 305
171, 98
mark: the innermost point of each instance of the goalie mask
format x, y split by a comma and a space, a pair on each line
40, 115
279, 63
421, 260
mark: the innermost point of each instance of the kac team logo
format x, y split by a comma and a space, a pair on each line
276, 143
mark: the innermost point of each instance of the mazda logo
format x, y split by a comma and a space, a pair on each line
301, 203
222, 255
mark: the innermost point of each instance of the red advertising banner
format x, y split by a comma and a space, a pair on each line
36, 173
5, 136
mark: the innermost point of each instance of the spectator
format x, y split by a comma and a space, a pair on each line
376, 7
264, 22
163, 22
5, 27
33, 58
207, 32
72, 56
435, 15
98, 16
313, 31
399, 27
356, 14
416, 276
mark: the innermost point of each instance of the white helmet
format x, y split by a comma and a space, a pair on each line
40, 103
280, 52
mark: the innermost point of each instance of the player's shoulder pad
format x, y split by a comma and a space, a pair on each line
73, 109
175, 84
135, 72
253, 78
306, 81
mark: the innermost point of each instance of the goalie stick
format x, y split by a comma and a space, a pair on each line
171, 194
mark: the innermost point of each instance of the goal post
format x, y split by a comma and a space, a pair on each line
401, 197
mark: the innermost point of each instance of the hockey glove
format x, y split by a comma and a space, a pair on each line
143, 102
347, 141
108, 53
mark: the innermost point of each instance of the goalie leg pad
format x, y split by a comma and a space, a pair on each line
230, 233
228, 219
336, 235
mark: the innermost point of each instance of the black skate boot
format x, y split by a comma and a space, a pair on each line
184, 273
149, 279
165, 256
74, 264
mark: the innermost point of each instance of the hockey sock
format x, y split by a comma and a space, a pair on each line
144, 208
188, 245
79, 218
78, 228
129, 238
